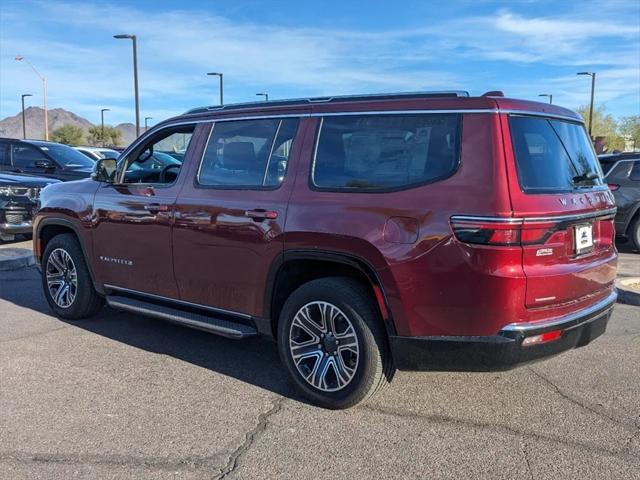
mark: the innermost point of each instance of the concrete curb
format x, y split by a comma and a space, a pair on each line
15, 258
629, 290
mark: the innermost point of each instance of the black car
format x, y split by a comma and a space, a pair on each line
18, 198
45, 159
622, 173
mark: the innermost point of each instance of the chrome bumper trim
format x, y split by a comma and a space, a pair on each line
567, 321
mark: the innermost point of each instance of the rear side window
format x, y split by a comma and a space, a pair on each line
381, 152
553, 155
635, 171
248, 153
5, 157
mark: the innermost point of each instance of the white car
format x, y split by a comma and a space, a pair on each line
98, 153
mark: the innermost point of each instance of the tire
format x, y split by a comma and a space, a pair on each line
634, 233
362, 353
62, 257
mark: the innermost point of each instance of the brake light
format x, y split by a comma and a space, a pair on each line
542, 338
613, 187
506, 233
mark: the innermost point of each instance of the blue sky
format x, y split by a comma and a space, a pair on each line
298, 49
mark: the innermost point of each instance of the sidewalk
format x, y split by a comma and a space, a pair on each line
16, 255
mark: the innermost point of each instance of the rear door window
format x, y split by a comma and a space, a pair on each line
553, 155
635, 171
385, 152
252, 154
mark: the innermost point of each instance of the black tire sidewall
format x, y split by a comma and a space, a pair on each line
349, 297
635, 233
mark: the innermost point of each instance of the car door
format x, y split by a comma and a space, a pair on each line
133, 217
230, 216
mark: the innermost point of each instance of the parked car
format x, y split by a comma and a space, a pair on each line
622, 173
431, 231
45, 159
18, 198
96, 153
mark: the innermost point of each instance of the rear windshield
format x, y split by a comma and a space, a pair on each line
553, 155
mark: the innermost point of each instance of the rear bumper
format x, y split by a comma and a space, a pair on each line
504, 350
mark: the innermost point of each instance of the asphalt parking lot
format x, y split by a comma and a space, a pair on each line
121, 396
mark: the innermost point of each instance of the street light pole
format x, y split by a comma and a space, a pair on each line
135, 77
263, 94
221, 87
145, 123
102, 121
24, 122
593, 88
20, 58
547, 95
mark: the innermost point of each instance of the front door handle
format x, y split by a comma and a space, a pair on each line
156, 207
261, 214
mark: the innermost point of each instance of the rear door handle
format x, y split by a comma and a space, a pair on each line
261, 214
156, 207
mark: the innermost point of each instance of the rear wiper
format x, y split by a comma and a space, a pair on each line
586, 176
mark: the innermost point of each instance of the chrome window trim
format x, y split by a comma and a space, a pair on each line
618, 162
179, 302
528, 220
567, 321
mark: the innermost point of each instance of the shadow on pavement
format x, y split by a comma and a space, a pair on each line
253, 361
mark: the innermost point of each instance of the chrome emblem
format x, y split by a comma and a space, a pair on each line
544, 252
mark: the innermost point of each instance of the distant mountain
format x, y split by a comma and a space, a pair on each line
11, 127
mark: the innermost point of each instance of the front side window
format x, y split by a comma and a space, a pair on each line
159, 159
553, 155
379, 152
26, 156
248, 153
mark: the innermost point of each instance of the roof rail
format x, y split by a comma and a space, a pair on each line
333, 99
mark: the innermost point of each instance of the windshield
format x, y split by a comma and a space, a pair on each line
65, 156
553, 155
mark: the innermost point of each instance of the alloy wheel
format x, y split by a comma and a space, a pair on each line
62, 278
324, 346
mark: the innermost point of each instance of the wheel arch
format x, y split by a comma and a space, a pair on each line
49, 228
295, 267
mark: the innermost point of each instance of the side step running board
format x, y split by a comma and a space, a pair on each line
225, 328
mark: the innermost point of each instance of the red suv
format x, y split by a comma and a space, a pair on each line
430, 231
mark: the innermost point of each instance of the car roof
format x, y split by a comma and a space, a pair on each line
409, 101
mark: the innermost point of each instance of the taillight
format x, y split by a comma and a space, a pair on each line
613, 187
505, 233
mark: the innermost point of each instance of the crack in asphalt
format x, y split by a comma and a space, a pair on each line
626, 446
501, 428
249, 439
112, 460
523, 449
597, 411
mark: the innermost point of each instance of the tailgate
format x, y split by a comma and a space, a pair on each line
557, 190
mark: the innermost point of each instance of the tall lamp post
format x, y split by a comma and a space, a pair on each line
24, 122
21, 58
145, 123
263, 94
216, 74
593, 88
135, 77
102, 123
547, 95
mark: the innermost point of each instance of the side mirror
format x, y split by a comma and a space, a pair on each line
46, 164
104, 170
